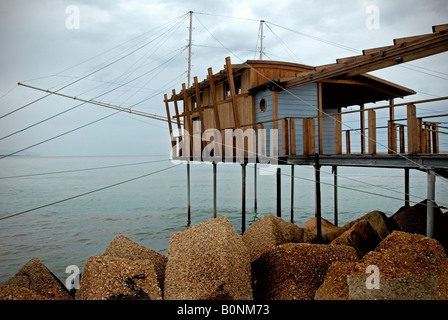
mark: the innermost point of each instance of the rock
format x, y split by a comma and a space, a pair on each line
268, 232
377, 219
124, 247
35, 276
294, 271
208, 261
405, 262
329, 231
113, 278
361, 236
413, 220
19, 293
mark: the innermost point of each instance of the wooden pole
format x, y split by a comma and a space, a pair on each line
318, 198
279, 193
188, 195
363, 128
430, 204
243, 196
255, 186
292, 193
335, 190
406, 187
214, 190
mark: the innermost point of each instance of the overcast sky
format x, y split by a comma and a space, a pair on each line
136, 52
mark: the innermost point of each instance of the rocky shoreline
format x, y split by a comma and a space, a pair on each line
373, 257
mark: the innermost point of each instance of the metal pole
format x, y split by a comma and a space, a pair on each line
430, 204
406, 187
279, 193
292, 193
255, 187
188, 195
214, 189
189, 49
261, 39
335, 176
318, 200
243, 195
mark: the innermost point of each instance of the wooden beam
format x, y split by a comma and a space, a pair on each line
214, 99
285, 140
170, 127
413, 135
337, 133
232, 92
292, 134
320, 120
420, 47
187, 120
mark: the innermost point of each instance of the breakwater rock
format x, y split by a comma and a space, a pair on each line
368, 258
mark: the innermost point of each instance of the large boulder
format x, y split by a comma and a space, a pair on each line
294, 271
36, 277
413, 220
268, 232
408, 266
377, 219
361, 236
329, 231
208, 261
124, 247
113, 278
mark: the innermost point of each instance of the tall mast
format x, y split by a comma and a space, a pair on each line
261, 39
189, 49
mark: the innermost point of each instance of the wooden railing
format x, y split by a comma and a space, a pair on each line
417, 135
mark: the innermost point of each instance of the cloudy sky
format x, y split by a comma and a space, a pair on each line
130, 53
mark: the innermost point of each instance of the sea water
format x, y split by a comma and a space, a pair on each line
149, 209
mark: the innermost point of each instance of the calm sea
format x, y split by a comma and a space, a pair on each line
150, 209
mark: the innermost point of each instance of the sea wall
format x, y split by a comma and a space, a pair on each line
372, 257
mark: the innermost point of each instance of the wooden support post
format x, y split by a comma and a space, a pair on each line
413, 130
431, 178
243, 198
285, 140
232, 92
279, 193
188, 195
170, 127
188, 122
292, 193
435, 138
363, 128
214, 189
337, 133
347, 142
292, 135
318, 198
406, 187
372, 131
391, 137
402, 148
176, 110
255, 186
320, 119
335, 194
309, 136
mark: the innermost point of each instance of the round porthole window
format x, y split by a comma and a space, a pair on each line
262, 105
